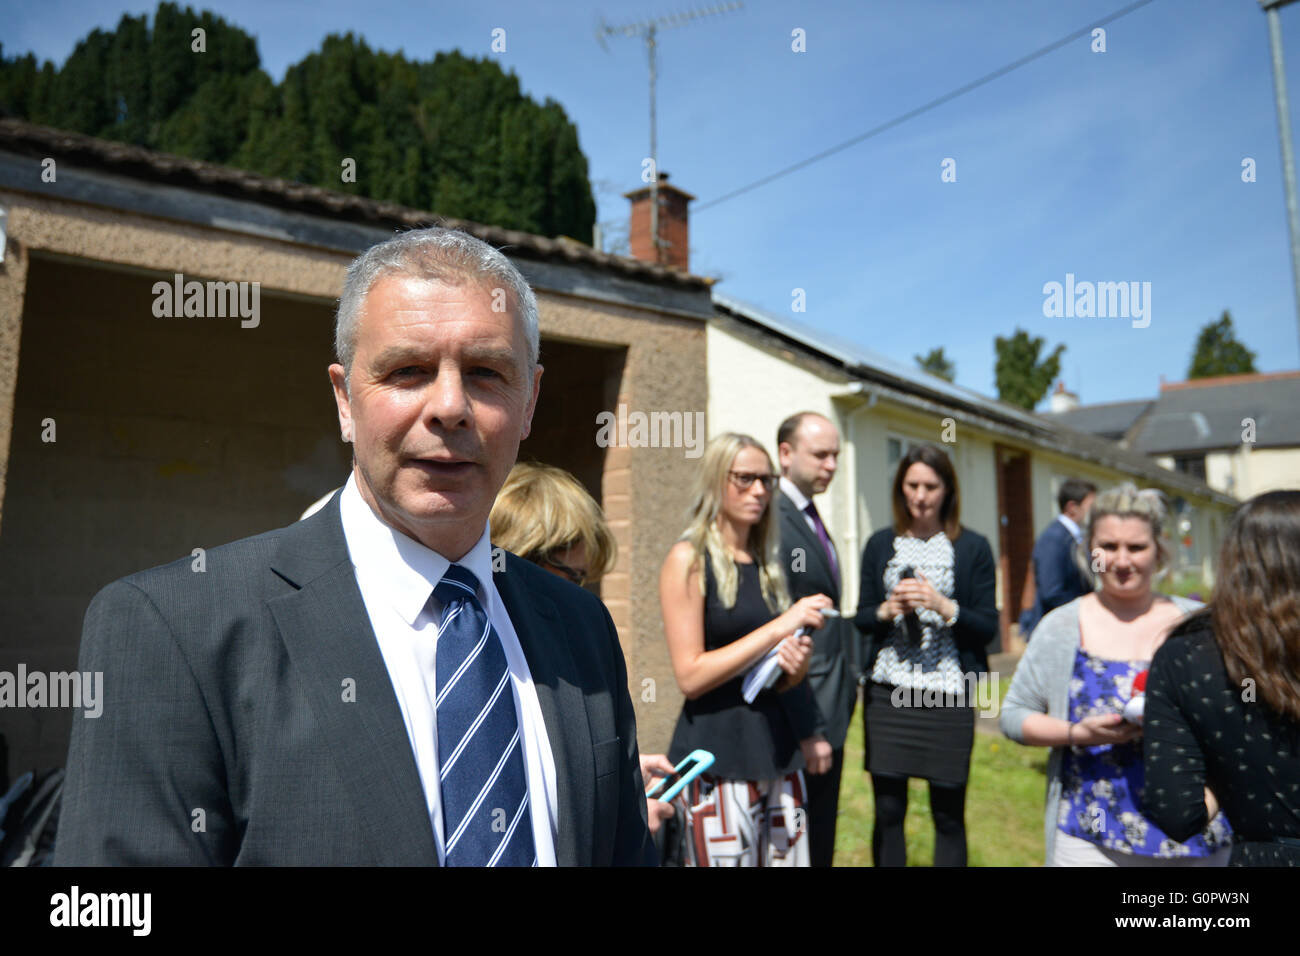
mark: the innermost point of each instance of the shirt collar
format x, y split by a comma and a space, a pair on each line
1070, 526
794, 494
399, 569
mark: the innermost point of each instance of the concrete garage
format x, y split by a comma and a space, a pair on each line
177, 433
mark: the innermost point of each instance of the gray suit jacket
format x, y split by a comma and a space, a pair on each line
833, 672
249, 717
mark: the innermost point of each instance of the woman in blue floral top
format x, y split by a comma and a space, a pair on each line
1087, 663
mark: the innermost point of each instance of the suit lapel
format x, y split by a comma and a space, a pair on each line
555, 678
795, 521
327, 632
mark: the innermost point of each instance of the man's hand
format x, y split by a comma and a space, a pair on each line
816, 753
656, 765
656, 812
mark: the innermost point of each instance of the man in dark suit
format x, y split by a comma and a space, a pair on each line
1057, 578
373, 685
808, 447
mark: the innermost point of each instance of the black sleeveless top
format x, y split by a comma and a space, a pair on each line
749, 741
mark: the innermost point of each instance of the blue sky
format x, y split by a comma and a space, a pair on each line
1115, 166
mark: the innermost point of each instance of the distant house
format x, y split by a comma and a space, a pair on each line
1010, 462
1238, 433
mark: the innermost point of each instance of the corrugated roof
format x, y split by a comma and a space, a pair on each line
140, 163
875, 365
869, 366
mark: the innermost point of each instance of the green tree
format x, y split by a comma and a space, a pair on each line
1218, 352
936, 363
454, 135
1022, 377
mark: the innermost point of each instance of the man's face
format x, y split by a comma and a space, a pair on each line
440, 397
811, 460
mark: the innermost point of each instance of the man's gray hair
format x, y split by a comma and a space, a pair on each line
446, 255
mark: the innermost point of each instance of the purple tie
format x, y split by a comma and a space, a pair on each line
811, 512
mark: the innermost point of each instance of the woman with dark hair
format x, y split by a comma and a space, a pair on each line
1223, 696
927, 608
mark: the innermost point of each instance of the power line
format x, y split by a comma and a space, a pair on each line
910, 114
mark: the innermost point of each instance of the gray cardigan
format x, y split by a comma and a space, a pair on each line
1041, 685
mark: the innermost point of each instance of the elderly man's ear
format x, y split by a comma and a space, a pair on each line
532, 403
339, 380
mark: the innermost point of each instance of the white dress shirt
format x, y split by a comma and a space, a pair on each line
396, 575
1071, 526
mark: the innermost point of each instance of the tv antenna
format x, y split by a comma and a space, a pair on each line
650, 29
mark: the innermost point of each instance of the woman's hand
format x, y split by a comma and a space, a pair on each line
918, 592
816, 753
1103, 729
793, 654
891, 607
805, 612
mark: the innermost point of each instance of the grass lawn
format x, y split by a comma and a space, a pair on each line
1004, 805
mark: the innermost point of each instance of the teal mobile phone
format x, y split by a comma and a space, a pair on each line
692, 765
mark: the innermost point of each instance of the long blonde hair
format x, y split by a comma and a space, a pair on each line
764, 543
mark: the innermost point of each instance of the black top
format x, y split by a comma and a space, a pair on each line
758, 741
974, 584
1200, 731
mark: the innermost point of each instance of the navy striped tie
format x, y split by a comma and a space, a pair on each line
486, 820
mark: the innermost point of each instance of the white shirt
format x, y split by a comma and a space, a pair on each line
396, 575
1071, 526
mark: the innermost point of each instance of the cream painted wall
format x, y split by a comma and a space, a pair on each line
1207, 519
1249, 471
752, 391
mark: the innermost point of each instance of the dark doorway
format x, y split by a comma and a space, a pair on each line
1015, 532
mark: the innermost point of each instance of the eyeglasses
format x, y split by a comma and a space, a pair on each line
577, 575
744, 479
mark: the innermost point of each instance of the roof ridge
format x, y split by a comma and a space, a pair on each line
131, 159
1215, 381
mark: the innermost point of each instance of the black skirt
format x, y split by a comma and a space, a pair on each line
917, 741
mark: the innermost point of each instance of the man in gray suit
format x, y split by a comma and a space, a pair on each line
808, 447
372, 685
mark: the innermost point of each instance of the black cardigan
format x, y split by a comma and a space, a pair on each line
974, 590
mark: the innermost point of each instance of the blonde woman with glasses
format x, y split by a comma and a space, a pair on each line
725, 605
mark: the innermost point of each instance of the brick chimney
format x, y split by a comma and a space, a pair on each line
674, 225
1063, 400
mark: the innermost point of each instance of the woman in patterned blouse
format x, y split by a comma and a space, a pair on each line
1072, 686
927, 607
